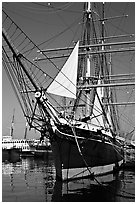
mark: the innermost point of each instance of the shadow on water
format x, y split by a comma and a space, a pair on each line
86, 191
78, 191
33, 179
11, 155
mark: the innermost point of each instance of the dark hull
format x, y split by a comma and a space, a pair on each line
11, 155
42, 153
26, 153
96, 154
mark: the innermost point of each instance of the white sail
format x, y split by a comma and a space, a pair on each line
64, 83
97, 116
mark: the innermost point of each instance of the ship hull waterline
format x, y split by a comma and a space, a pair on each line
98, 157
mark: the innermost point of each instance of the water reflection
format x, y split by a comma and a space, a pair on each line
34, 180
88, 191
84, 191
28, 180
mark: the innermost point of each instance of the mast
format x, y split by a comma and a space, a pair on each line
25, 135
84, 63
87, 95
12, 124
88, 64
93, 50
103, 69
102, 41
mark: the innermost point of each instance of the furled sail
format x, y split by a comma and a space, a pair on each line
64, 83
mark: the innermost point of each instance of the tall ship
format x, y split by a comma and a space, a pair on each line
75, 105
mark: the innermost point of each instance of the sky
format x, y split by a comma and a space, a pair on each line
41, 23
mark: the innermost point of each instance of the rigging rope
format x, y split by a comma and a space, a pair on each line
25, 57
30, 42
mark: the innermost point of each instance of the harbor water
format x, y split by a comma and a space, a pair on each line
32, 179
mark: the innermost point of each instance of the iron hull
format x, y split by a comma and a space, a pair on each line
85, 157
